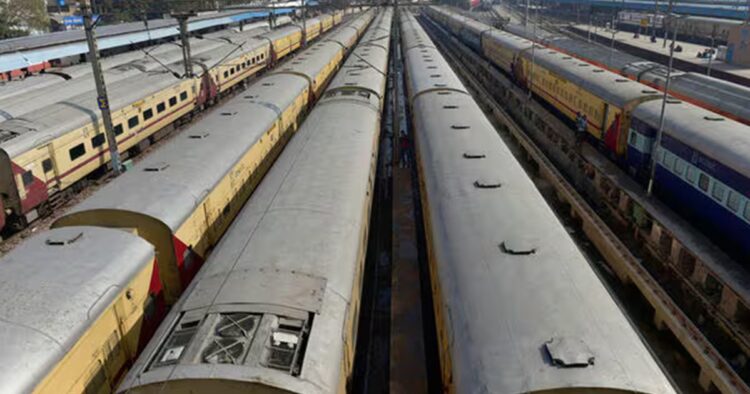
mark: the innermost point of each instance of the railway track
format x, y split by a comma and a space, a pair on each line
715, 370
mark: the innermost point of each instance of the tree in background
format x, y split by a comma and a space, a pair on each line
20, 17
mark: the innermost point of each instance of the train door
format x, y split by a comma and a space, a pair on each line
51, 175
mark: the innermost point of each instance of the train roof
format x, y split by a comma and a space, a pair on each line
509, 40
310, 62
717, 137
524, 310
209, 49
370, 55
22, 134
168, 184
420, 54
45, 309
613, 88
26, 51
27, 132
275, 262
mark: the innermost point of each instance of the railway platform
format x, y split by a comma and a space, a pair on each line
656, 51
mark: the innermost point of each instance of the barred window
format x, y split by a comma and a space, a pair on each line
703, 182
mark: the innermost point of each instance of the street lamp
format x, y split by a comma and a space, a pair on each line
660, 131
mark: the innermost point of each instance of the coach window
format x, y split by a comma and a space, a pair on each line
183, 96
703, 182
148, 114
633, 138
690, 174
747, 210
77, 151
679, 167
47, 165
226, 74
132, 122
118, 129
173, 101
27, 178
160, 108
669, 160
231, 71
97, 140
718, 191
733, 201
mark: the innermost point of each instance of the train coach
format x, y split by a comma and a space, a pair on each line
170, 209
729, 99
518, 308
66, 84
623, 116
63, 334
569, 85
275, 308
702, 168
50, 151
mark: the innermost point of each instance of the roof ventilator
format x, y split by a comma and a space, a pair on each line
569, 352
517, 248
713, 118
156, 167
285, 348
199, 136
474, 155
229, 113
484, 184
231, 338
62, 241
176, 344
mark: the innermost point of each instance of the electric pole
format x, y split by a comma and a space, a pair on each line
660, 130
653, 25
304, 23
664, 25
182, 18
101, 88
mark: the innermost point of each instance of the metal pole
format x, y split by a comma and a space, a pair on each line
712, 53
660, 131
612, 43
182, 18
304, 23
526, 18
591, 17
101, 88
533, 60
666, 32
653, 23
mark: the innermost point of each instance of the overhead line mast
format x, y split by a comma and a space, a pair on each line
101, 88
